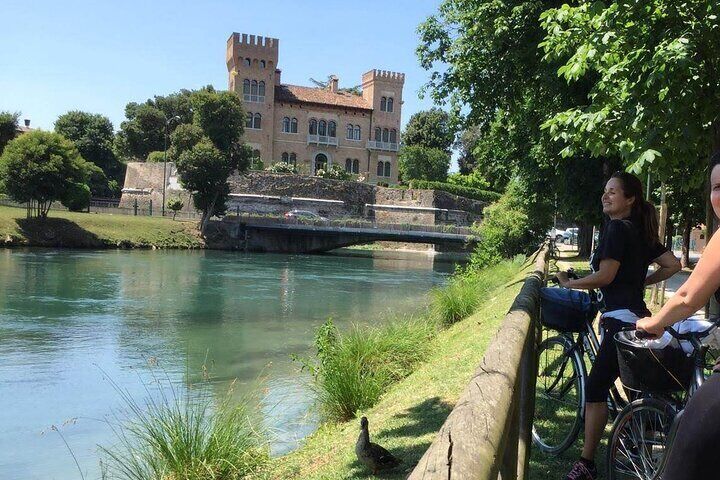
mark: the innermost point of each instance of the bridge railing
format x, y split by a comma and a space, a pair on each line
348, 223
488, 433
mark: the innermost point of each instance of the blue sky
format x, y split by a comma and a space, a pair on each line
97, 56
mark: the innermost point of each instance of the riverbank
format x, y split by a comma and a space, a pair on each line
94, 230
409, 414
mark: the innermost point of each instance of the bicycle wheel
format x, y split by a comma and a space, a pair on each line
559, 395
638, 440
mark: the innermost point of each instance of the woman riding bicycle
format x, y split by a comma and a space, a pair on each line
693, 454
628, 246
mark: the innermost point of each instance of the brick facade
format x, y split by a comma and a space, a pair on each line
252, 63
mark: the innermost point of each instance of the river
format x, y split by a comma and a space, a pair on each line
74, 322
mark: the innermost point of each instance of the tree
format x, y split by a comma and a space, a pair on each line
143, 131
76, 197
175, 205
8, 127
41, 167
429, 129
184, 138
466, 144
474, 179
155, 157
93, 136
221, 117
421, 163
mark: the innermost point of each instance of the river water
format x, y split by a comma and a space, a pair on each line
74, 322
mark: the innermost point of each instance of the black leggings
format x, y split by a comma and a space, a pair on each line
605, 369
694, 451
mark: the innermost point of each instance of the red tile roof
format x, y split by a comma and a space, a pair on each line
297, 94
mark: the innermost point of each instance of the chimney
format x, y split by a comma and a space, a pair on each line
333, 83
277, 76
27, 122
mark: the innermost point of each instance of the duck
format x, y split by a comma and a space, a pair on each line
372, 455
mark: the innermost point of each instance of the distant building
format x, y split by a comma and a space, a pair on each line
311, 127
23, 128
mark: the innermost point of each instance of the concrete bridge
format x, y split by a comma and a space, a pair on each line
304, 238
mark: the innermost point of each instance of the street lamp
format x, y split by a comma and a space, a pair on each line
167, 124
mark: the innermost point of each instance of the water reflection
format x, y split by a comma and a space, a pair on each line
67, 317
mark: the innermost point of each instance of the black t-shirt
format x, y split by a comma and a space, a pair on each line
623, 242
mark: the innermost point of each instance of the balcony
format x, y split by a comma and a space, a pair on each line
254, 98
387, 146
322, 140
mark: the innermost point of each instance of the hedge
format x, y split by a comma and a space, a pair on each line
474, 193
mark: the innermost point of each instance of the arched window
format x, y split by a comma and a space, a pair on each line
387, 169
378, 134
246, 87
320, 162
386, 135
257, 121
293, 160
286, 125
256, 154
393, 136
249, 120
293, 125
262, 63
389, 104
356, 133
332, 129
348, 165
356, 166
284, 157
380, 169
322, 128
313, 127
247, 62
254, 88
383, 104
261, 88
349, 134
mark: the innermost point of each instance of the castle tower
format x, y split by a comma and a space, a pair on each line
252, 70
382, 90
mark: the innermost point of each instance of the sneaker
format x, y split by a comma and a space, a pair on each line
582, 471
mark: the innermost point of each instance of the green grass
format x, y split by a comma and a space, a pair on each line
409, 413
91, 230
184, 436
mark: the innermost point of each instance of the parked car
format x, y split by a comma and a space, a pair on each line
557, 234
570, 235
304, 215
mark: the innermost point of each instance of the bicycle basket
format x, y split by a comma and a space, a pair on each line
566, 310
652, 370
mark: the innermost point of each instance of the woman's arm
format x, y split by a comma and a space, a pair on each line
669, 266
604, 276
693, 294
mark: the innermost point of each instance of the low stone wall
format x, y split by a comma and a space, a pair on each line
273, 193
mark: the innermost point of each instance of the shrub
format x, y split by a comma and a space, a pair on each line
468, 289
175, 205
352, 370
281, 167
77, 197
156, 157
474, 193
334, 173
422, 163
184, 436
474, 179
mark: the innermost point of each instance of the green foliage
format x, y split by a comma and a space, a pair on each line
184, 434
184, 138
654, 71
155, 157
143, 131
352, 370
467, 192
466, 143
507, 229
473, 179
421, 163
467, 290
8, 127
40, 167
175, 205
430, 129
281, 167
77, 197
335, 172
93, 136
221, 117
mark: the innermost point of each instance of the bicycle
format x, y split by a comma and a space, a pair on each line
563, 362
643, 431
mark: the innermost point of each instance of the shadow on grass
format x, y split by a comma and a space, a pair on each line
56, 232
419, 420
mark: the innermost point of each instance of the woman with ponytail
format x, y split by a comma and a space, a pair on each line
628, 246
